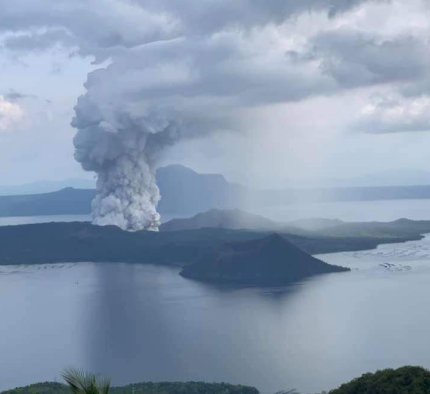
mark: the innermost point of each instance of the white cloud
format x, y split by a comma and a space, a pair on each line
10, 114
388, 114
209, 66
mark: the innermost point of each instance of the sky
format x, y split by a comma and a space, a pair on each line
268, 92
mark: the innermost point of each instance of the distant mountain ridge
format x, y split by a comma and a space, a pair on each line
186, 192
183, 191
46, 186
67, 201
235, 219
241, 220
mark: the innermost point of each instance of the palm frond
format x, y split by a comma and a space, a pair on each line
81, 382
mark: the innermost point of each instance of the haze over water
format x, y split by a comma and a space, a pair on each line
142, 322
383, 210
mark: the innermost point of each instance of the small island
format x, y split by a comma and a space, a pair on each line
268, 261
218, 246
218, 255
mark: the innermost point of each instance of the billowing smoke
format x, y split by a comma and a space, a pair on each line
190, 79
132, 110
122, 149
152, 96
123, 155
172, 70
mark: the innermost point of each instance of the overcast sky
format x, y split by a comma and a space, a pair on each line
265, 91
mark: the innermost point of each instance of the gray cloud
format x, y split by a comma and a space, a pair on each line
38, 40
216, 15
177, 71
92, 27
356, 58
95, 27
13, 95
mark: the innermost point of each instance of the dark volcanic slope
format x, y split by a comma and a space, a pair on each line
80, 241
269, 261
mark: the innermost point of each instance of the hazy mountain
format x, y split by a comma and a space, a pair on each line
167, 175
237, 219
46, 186
65, 201
186, 192
269, 261
314, 224
183, 191
222, 218
394, 229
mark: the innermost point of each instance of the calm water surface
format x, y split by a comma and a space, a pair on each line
349, 211
14, 220
362, 211
141, 322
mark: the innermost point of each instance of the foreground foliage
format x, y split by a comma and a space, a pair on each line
144, 388
405, 380
85, 383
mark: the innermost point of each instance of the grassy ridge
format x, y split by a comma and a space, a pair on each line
144, 388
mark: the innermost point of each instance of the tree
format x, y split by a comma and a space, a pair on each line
85, 383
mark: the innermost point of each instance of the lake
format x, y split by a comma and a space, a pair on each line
140, 322
353, 211
143, 322
386, 210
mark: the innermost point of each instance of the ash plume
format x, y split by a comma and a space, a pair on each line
122, 151
124, 124
179, 78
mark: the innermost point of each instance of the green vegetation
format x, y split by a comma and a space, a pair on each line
40, 388
142, 388
185, 388
405, 380
85, 383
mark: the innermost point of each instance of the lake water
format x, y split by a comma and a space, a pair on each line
14, 220
363, 211
142, 322
348, 211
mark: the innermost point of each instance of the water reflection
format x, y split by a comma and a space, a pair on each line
141, 322
148, 323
